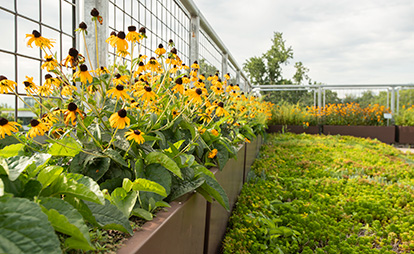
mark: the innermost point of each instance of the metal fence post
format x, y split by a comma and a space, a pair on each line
224, 59
103, 32
392, 100
238, 77
194, 38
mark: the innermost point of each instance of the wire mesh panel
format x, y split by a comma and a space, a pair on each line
209, 55
163, 20
54, 19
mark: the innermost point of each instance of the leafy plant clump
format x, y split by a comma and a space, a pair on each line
317, 194
110, 143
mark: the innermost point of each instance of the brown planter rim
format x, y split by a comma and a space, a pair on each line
297, 129
384, 134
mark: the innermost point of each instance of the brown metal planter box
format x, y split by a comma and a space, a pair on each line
297, 129
385, 134
194, 225
405, 134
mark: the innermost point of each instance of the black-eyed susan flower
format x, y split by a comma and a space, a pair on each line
178, 88
71, 113
212, 154
160, 50
153, 64
120, 42
51, 81
215, 132
6, 85
111, 39
82, 26
50, 63
29, 85
83, 74
175, 113
143, 31
102, 70
73, 59
119, 119
146, 94
135, 135
120, 79
195, 65
49, 119
201, 130
220, 111
7, 127
68, 90
141, 67
118, 92
37, 128
195, 95
227, 76
133, 35
95, 16
39, 40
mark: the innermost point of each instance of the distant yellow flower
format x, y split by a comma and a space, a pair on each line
227, 76
246, 140
38, 128
102, 70
135, 135
212, 154
83, 74
220, 111
29, 85
67, 90
178, 88
7, 127
118, 92
215, 132
111, 39
195, 96
146, 94
71, 113
201, 130
132, 35
195, 65
153, 64
50, 63
120, 42
160, 50
120, 79
119, 119
73, 59
175, 113
39, 41
6, 85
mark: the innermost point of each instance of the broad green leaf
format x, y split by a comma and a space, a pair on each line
4, 168
110, 217
88, 182
115, 156
65, 147
165, 161
162, 204
125, 201
150, 138
186, 160
127, 184
177, 145
48, 174
142, 184
18, 164
205, 194
139, 168
31, 189
222, 155
216, 191
199, 169
24, 228
93, 166
153, 118
139, 212
63, 185
184, 187
1, 188
11, 150
82, 208
67, 220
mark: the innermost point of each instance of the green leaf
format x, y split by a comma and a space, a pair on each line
189, 126
222, 155
165, 161
177, 146
65, 147
4, 168
185, 187
205, 194
127, 184
123, 200
67, 220
139, 168
48, 174
153, 118
162, 204
199, 170
31, 189
24, 228
18, 164
11, 150
115, 156
110, 217
1, 188
93, 166
82, 208
89, 183
139, 212
216, 191
142, 184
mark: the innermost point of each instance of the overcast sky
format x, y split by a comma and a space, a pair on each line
341, 41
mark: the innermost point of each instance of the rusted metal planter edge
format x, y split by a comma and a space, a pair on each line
172, 231
405, 135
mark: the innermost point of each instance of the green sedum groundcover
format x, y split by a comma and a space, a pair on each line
325, 194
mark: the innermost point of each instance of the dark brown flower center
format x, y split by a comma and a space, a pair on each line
34, 122
113, 33
132, 28
122, 113
132, 101
141, 64
148, 89
27, 83
220, 104
174, 51
170, 41
117, 75
72, 107
73, 52
83, 26
48, 76
102, 68
137, 132
142, 30
94, 12
237, 84
179, 81
3, 121
119, 87
83, 67
231, 85
198, 91
36, 34
2, 78
160, 46
195, 62
121, 35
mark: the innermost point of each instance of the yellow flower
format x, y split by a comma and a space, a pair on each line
120, 80
7, 127
195, 65
212, 154
51, 81
29, 86
215, 132
178, 88
71, 112
246, 140
146, 93
132, 35
6, 85
195, 96
39, 41
50, 63
118, 92
83, 74
160, 50
135, 135
227, 76
73, 59
102, 70
175, 113
153, 64
112, 39
220, 111
49, 120
67, 90
201, 130
120, 42
38, 128
119, 119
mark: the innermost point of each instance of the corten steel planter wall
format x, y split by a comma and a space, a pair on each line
385, 134
297, 129
193, 225
405, 134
